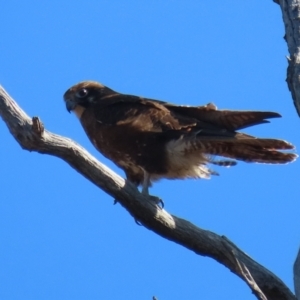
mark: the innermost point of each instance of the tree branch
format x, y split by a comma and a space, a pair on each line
291, 18
32, 136
297, 275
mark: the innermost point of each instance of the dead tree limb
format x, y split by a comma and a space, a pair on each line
291, 18
31, 135
297, 275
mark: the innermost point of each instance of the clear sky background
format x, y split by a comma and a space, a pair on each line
60, 236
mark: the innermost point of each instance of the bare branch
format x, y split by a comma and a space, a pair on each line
250, 280
32, 136
291, 18
244, 272
297, 275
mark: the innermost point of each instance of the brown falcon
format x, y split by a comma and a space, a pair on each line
151, 139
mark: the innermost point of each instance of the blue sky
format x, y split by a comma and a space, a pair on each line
61, 237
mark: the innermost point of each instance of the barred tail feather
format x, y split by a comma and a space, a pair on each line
248, 150
223, 162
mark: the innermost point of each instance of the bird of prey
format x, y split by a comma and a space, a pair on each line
151, 139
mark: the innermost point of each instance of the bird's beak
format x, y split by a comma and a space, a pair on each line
70, 105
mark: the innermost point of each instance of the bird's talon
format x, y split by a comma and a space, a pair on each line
162, 203
159, 202
138, 222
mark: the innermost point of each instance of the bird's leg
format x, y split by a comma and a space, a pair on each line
146, 183
145, 190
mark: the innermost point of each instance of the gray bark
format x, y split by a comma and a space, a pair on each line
291, 18
31, 135
297, 275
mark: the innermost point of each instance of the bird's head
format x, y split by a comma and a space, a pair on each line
83, 94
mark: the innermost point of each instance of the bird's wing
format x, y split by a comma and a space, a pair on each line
141, 113
227, 119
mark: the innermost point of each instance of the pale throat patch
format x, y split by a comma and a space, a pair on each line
78, 111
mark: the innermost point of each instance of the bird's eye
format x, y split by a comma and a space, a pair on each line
82, 93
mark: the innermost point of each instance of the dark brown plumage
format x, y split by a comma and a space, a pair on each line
152, 139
